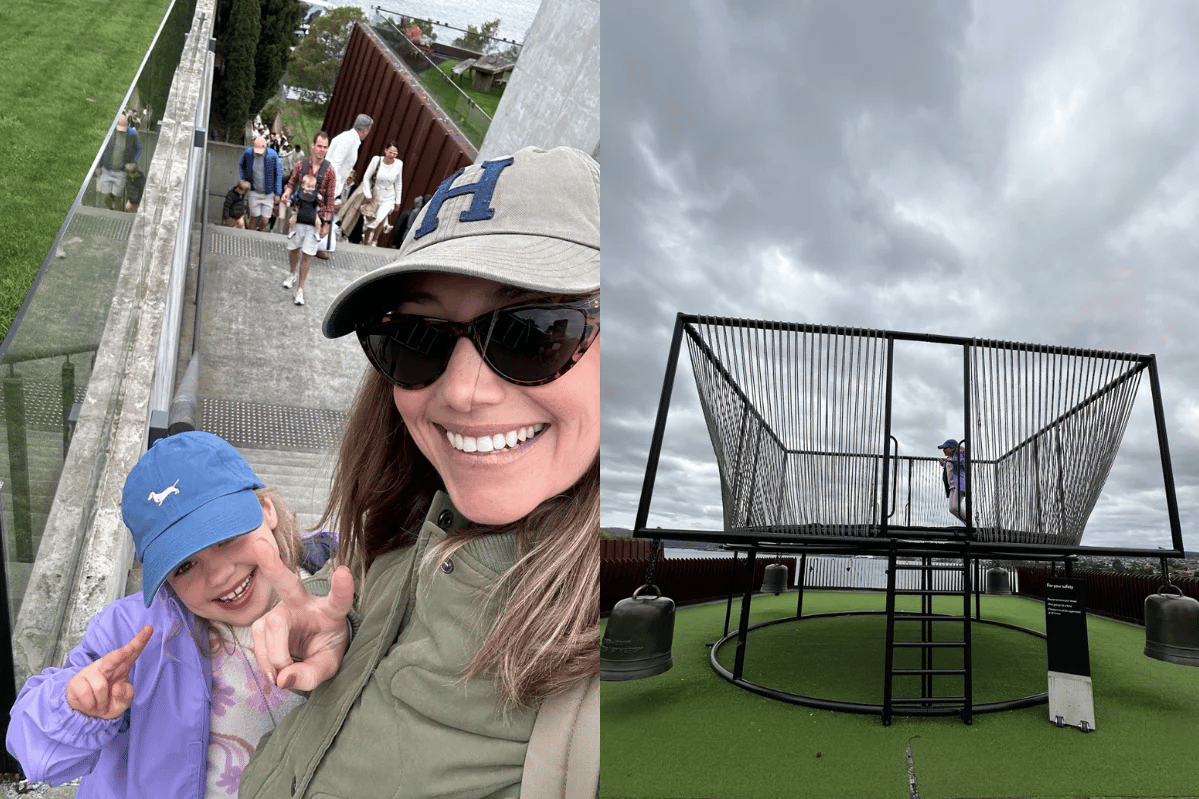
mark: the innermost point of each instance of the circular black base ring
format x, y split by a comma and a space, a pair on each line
864, 707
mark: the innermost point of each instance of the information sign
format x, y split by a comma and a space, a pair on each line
1066, 626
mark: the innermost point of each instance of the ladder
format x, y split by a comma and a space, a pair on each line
945, 679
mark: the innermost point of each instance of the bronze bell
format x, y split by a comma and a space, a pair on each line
636, 641
1172, 627
774, 579
998, 581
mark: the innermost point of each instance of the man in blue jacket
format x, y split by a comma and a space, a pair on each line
259, 166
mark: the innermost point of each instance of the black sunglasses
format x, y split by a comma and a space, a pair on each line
529, 345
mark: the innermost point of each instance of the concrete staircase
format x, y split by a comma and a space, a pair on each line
301, 479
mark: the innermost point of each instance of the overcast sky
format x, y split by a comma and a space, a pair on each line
1025, 171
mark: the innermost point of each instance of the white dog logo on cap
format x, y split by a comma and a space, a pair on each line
157, 497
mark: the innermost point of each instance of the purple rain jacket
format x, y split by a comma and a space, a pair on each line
159, 747
958, 461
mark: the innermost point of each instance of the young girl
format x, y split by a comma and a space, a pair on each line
954, 464
163, 696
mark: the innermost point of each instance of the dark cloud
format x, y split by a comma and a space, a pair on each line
1001, 170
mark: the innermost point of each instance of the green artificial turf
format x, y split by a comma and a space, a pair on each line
67, 65
689, 734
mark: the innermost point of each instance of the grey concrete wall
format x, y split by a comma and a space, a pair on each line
72, 581
553, 97
222, 174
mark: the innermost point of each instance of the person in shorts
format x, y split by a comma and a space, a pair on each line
260, 166
304, 235
123, 147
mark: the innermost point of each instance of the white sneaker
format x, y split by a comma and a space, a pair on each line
290, 282
298, 299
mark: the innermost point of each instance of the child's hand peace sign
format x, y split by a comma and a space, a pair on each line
102, 689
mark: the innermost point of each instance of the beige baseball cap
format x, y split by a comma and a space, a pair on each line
530, 220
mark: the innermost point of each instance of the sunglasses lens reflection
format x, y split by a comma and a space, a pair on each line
529, 345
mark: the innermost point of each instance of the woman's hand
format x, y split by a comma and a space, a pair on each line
102, 689
300, 642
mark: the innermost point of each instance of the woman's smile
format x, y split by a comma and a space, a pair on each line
501, 449
495, 442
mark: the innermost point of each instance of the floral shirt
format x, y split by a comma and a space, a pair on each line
245, 706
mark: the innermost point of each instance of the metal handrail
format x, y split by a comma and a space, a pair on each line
162, 388
8, 682
381, 9
425, 56
45, 353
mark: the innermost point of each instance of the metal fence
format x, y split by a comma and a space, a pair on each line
693, 580
1115, 595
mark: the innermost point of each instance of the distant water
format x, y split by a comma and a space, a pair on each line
680, 552
515, 15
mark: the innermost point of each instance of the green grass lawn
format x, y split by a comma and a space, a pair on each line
689, 733
67, 66
489, 100
470, 122
312, 119
301, 120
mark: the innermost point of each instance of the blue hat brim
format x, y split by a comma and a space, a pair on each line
221, 519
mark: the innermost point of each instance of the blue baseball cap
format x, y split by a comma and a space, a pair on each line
949, 442
188, 492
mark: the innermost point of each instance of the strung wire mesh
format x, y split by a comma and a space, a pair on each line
919, 489
796, 418
796, 415
1047, 424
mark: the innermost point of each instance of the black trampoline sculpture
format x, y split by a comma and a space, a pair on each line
800, 419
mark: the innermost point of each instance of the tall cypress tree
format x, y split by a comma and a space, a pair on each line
238, 48
280, 18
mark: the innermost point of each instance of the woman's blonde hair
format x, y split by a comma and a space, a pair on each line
547, 634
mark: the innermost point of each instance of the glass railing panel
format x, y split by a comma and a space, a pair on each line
47, 357
468, 88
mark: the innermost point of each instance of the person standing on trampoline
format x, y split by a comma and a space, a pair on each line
955, 477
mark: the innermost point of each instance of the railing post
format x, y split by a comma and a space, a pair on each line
8, 679
68, 401
18, 467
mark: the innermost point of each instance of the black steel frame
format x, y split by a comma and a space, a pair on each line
770, 538
891, 539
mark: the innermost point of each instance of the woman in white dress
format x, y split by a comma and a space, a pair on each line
382, 183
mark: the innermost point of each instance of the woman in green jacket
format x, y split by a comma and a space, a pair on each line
467, 500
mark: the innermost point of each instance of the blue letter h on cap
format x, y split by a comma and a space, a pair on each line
480, 204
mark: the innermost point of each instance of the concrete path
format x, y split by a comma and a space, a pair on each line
270, 382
